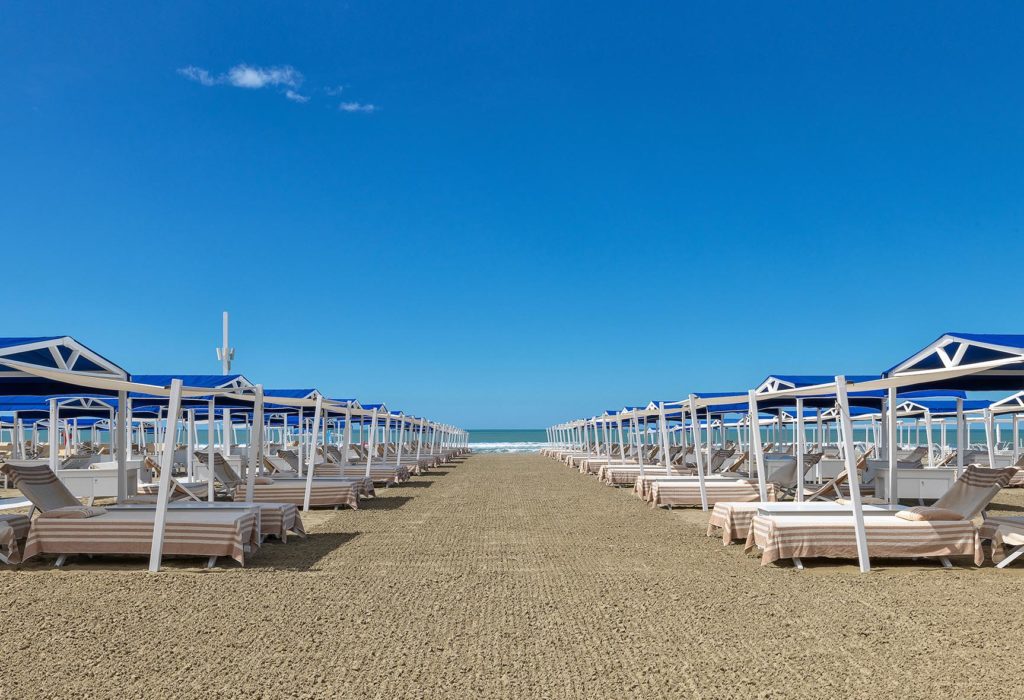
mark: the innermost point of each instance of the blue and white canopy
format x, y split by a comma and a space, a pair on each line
992, 354
58, 352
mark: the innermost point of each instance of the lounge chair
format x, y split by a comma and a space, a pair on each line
324, 492
66, 527
943, 530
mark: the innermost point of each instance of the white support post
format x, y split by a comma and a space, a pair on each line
755, 442
211, 451
190, 444
119, 445
255, 446
990, 438
228, 432
1016, 438
53, 436
962, 437
663, 436
371, 445
928, 431
312, 453
892, 418
699, 451
164, 490
801, 447
401, 437
846, 425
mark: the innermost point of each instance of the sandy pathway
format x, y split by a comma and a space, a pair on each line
509, 576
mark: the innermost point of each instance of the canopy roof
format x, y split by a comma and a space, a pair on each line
952, 350
59, 352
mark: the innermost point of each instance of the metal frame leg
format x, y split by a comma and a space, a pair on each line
1010, 557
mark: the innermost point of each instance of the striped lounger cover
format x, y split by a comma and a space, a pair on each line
378, 475
325, 492
207, 533
808, 536
13, 527
278, 519
733, 519
687, 493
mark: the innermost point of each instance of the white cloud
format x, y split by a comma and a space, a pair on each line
254, 77
285, 78
357, 107
200, 75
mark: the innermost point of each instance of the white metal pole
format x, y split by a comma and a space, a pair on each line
756, 447
698, 450
312, 453
164, 489
801, 439
846, 425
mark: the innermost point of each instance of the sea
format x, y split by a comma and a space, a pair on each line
494, 440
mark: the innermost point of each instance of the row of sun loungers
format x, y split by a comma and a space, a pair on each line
233, 528
821, 526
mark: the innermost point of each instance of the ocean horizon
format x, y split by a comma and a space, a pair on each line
505, 440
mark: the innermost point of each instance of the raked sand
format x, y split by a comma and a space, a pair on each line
511, 576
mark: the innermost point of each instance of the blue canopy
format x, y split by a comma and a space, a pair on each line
58, 352
952, 350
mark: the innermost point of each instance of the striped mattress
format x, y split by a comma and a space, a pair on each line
687, 493
833, 536
200, 533
324, 493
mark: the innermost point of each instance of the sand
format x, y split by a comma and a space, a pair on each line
510, 576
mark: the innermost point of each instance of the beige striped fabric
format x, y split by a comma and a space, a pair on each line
988, 527
13, 527
382, 474
278, 519
1007, 534
732, 520
324, 493
687, 493
40, 485
833, 536
199, 533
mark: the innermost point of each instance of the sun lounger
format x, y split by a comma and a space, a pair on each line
275, 519
686, 491
324, 492
207, 533
796, 537
732, 519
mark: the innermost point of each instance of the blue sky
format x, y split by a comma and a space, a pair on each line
508, 214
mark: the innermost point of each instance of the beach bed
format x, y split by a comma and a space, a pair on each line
209, 533
833, 536
732, 519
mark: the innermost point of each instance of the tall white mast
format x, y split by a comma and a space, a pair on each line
225, 353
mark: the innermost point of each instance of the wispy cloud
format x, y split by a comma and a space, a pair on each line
245, 76
285, 80
357, 107
200, 75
